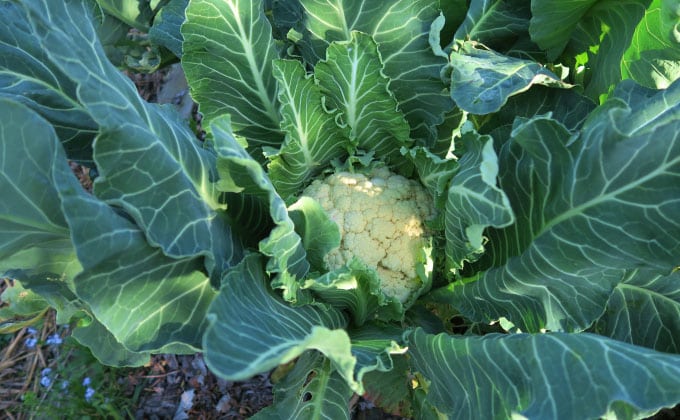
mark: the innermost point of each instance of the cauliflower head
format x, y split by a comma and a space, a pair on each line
381, 221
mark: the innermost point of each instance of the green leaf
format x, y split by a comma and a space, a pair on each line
374, 345
435, 174
149, 161
584, 211
136, 13
602, 37
391, 390
28, 76
313, 139
592, 34
312, 390
352, 76
105, 348
261, 206
20, 302
34, 234
566, 376
402, 32
653, 57
474, 201
227, 56
494, 23
166, 26
152, 302
237, 348
565, 105
355, 288
553, 23
112, 252
644, 309
319, 233
482, 80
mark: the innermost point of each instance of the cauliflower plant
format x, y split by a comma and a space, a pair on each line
381, 220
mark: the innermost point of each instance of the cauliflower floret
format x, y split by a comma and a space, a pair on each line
381, 221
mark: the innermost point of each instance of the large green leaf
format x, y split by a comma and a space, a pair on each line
34, 234
588, 206
228, 52
313, 139
653, 57
352, 76
593, 34
28, 76
494, 23
565, 376
402, 31
482, 80
150, 163
237, 348
553, 22
644, 309
151, 302
113, 253
601, 40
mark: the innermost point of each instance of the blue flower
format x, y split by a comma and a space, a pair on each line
54, 340
31, 342
31, 330
89, 393
45, 381
86, 381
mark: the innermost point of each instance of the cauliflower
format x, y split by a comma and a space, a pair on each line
381, 221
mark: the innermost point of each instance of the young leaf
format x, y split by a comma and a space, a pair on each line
566, 376
313, 139
402, 32
352, 76
319, 233
543, 27
356, 289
